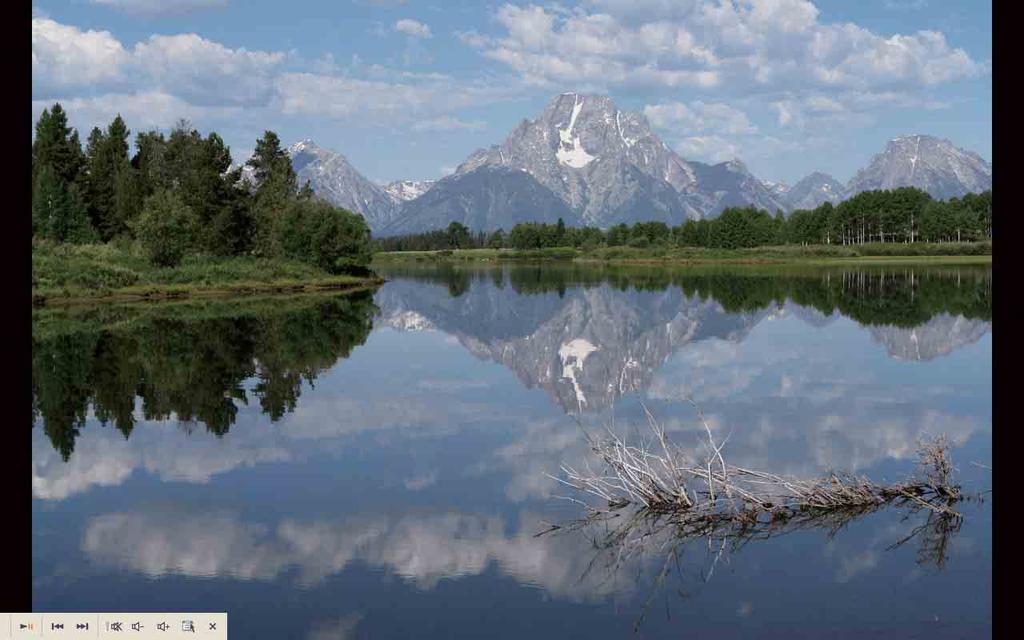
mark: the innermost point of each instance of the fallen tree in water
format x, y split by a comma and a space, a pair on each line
712, 498
655, 498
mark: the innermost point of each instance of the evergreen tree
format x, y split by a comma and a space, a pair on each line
57, 211
107, 181
57, 146
276, 185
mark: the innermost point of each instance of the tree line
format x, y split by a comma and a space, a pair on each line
904, 215
178, 194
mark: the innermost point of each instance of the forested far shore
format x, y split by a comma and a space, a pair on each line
899, 216
178, 201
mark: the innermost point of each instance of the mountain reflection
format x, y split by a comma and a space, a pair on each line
590, 334
191, 360
587, 335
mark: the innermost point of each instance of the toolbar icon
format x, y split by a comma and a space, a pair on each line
82, 625
30, 626
163, 626
137, 626
56, 625
114, 626
188, 625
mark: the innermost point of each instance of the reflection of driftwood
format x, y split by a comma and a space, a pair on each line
654, 499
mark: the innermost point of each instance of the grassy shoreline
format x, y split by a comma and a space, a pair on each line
961, 253
87, 274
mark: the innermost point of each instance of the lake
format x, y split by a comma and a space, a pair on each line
376, 465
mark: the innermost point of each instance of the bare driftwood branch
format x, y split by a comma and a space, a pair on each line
661, 478
653, 497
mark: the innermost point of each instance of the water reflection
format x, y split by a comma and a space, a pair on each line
190, 360
588, 335
307, 449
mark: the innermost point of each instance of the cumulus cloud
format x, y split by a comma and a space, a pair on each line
203, 72
548, 49
413, 28
165, 77
767, 43
712, 148
823, 112
699, 117
405, 100
65, 56
206, 72
160, 7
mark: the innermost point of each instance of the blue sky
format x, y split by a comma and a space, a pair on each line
408, 89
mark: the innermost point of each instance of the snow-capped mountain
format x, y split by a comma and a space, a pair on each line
588, 162
338, 182
777, 189
931, 164
595, 158
813, 190
405, 190
606, 165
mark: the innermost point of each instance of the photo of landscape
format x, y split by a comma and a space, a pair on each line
450, 319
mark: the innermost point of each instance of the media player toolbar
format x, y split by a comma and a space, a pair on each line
135, 626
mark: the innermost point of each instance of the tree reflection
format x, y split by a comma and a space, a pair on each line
898, 296
192, 361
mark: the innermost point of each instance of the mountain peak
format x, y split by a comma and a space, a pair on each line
930, 163
335, 180
302, 145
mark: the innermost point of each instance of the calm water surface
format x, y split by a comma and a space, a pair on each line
375, 465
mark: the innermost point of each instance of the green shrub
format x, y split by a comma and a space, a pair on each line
167, 228
329, 237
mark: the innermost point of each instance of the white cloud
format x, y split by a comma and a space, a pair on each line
160, 7
207, 72
141, 110
402, 100
699, 117
767, 43
823, 112
165, 77
64, 56
711, 148
596, 50
191, 67
413, 28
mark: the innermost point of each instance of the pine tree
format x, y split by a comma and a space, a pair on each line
276, 186
57, 211
108, 183
57, 146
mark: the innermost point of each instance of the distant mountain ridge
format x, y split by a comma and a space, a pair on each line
929, 163
590, 163
335, 180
